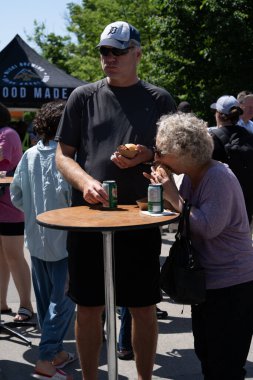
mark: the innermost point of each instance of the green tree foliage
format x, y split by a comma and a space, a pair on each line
197, 49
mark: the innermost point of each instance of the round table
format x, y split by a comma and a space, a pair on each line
98, 218
6, 180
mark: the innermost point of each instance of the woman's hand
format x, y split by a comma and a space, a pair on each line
159, 175
164, 176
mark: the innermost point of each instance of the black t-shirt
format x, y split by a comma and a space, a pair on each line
98, 118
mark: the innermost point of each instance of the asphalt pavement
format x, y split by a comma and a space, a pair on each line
175, 358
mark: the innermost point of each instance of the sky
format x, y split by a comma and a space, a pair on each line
17, 17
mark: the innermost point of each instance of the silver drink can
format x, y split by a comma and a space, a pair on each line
111, 188
155, 198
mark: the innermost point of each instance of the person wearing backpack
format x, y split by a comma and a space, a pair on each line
233, 145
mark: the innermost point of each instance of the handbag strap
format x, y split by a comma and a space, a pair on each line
184, 225
184, 221
187, 207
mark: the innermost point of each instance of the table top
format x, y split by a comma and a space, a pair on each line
98, 218
6, 180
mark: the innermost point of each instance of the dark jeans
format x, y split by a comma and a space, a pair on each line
222, 329
125, 342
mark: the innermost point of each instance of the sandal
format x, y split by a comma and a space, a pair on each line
6, 311
59, 375
71, 357
26, 313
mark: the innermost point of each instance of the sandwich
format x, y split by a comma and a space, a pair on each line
128, 150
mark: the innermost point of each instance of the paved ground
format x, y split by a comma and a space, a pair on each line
175, 359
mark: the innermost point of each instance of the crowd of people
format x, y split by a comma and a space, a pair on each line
76, 152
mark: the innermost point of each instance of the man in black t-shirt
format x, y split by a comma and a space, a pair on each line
98, 118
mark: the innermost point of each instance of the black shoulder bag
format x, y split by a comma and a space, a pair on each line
182, 277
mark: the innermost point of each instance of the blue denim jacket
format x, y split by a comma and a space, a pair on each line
38, 187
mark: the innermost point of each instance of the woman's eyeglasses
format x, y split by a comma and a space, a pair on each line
105, 51
157, 151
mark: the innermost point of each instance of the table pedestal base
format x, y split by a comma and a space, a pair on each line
6, 326
110, 308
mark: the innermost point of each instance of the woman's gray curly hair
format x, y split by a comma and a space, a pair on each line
186, 136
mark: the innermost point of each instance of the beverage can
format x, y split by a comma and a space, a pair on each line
3, 174
111, 189
155, 198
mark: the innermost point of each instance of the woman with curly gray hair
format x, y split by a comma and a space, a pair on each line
221, 234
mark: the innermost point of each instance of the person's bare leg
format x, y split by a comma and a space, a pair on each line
144, 339
4, 278
13, 247
88, 329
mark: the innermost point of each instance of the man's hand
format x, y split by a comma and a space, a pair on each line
94, 193
144, 154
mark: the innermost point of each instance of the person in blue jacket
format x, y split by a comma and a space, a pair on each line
38, 187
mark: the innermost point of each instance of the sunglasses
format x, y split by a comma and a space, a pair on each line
105, 51
157, 151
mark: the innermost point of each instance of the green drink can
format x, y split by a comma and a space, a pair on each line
155, 198
111, 189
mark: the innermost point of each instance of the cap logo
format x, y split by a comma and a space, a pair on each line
113, 30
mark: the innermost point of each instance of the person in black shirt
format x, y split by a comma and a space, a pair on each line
233, 145
98, 118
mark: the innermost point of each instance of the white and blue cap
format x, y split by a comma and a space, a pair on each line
119, 34
225, 103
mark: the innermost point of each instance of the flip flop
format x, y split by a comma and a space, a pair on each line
22, 311
6, 311
59, 375
71, 358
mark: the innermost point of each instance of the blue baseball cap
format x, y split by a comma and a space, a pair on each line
119, 34
225, 103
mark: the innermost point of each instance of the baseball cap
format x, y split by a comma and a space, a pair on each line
225, 103
118, 34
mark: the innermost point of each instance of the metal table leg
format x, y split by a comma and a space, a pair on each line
110, 305
7, 327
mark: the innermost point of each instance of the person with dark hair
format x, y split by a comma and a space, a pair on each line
12, 260
38, 187
234, 145
184, 107
98, 118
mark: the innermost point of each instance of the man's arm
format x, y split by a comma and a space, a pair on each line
73, 173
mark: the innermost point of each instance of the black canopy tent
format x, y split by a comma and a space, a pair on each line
27, 80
